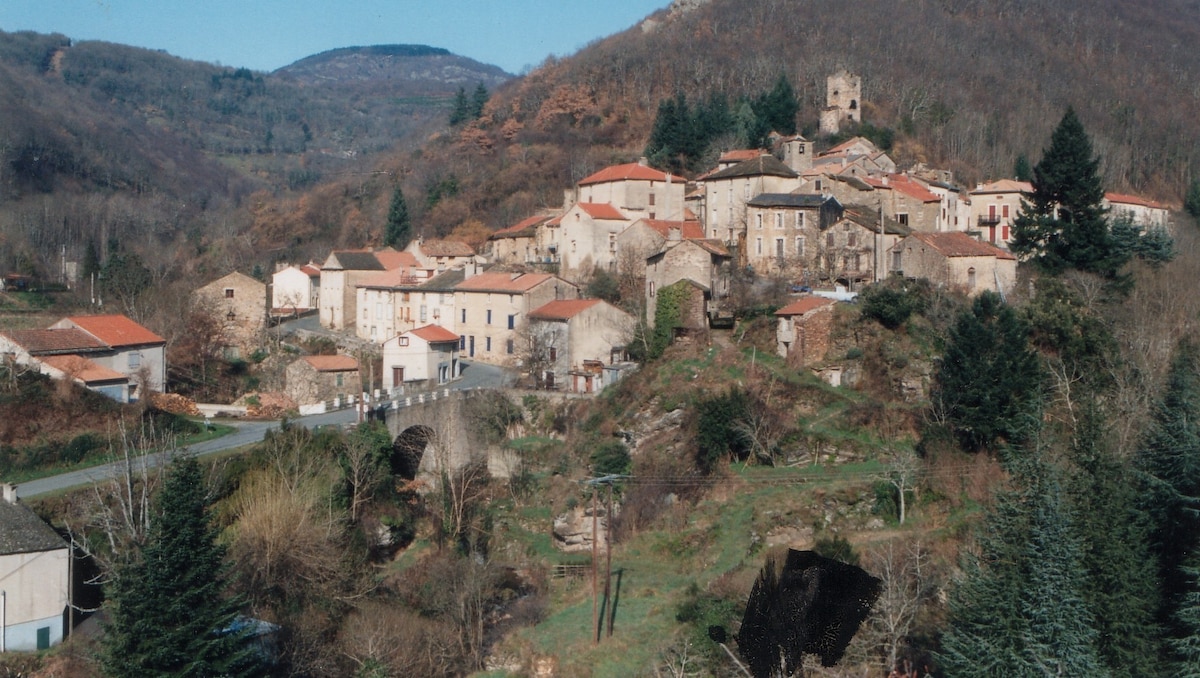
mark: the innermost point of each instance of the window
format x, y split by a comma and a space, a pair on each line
423, 312
462, 343
135, 360
651, 199
652, 289
1004, 209
779, 220
971, 278
228, 292
1004, 232
758, 245
508, 346
512, 322
903, 219
829, 242
404, 341
464, 315
489, 317
896, 264
746, 190
553, 354
758, 220
799, 245
339, 379
799, 219
404, 296
487, 344
851, 239
779, 247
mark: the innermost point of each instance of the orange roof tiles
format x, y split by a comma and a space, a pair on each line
629, 172
83, 369
434, 334
562, 309
400, 277
740, 155
517, 228
311, 271
959, 244
392, 260
912, 189
1126, 199
331, 363
601, 210
687, 229
58, 340
115, 330
502, 282
804, 305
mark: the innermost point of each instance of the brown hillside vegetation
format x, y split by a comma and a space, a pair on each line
968, 86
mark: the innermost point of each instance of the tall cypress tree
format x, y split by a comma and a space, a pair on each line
461, 111
398, 230
479, 99
167, 615
1063, 225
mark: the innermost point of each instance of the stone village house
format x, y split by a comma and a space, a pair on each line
705, 263
575, 339
802, 335
955, 260
239, 303
322, 378
491, 310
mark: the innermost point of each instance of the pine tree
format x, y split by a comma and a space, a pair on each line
1187, 618
461, 111
778, 108
1170, 461
988, 380
91, 261
479, 99
1022, 170
167, 615
398, 230
1063, 225
1192, 202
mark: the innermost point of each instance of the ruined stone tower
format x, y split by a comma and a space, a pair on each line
843, 101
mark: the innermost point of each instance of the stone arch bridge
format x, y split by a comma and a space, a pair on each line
446, 431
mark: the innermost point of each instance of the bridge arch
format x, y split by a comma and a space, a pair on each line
408, 450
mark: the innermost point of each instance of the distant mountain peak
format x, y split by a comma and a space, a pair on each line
432, 66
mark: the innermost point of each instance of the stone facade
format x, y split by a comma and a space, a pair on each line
491, 309
704, 262
239, 303
843, 101
322, 378
957, 261
584, 333
804, 330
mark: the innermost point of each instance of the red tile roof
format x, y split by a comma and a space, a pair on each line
562, 309
959, 244
331, 363
629, 172
434, 334
115, 330
601, 210
687, 229
804, 305
740, 155
1125, 199
517, 228
911, 188
311, 271
502, 282
83, 369
59, 340
392, 260
400, 277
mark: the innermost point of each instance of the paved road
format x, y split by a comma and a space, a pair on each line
474, 375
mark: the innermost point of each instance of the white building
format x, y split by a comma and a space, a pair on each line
35, 568
425, 355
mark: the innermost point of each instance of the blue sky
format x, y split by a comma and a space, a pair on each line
267, 34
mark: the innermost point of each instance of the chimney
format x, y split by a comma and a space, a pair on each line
471, 268
568, 198
674, 234
642, 161
10, 493
887, 180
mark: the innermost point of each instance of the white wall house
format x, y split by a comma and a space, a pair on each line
425, 355
296, 288
35, 570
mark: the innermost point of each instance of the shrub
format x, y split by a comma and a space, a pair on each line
611, 457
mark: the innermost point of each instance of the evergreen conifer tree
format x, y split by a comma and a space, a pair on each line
1187, 618
1022, 170
1170, 461
988, 381
461, 111
91, 261
1120, 584
398, 230
479, 99
1063, 225
1191, 203
167, 614
777, 109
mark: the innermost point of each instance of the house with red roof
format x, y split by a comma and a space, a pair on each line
956, 260
647, 236
424, 356
585, 239
518, 244
802, 335
385, 302
295, 289
340, 275
315, 379
440, 255
132, 350
570, 342
994, 206
636, 189
907, 201
1140, 211
785, 231
491, 309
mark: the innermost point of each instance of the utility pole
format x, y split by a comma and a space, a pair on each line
608, 601
595, 574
